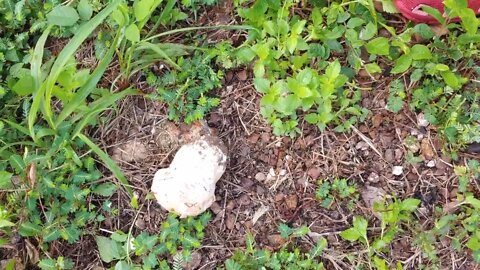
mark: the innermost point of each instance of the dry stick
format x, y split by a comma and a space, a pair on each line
241, 121
367, 140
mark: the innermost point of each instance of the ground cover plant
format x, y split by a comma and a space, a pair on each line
353, 134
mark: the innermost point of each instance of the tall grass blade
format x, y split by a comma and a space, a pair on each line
82, 33
98, 106
89, 86
108, 162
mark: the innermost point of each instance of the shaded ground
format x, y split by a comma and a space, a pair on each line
271, 180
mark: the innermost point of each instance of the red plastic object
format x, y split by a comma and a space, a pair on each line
412, 9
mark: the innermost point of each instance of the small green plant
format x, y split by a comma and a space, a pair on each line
185, 90
59, 264
393, 215
292, 68
460, 223
253, 258
340, 189
177, 238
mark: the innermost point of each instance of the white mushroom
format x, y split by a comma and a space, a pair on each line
187, 187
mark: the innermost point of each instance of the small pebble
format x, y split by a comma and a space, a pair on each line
431, 163
373, 177
216, 208
260, 176
397, 170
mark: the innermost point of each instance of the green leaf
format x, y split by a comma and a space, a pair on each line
85, 10
388, 6
17, 163
410, 204
63, 16
379, 46
91, 83
232, 265
47, 264
424, 30
350, 234
105, 189
5, 180
109, 163
118, 17
373, 68
119, 236
318, 248
434, 13
420, 52
109, 249
285, 230
369, 31
132, 33
6, 223
402, 64
473, 243
298, 89
333, 70
29, 229
44, 94
359, 230
291, 43
394, 103
24, 86
450, 79
142, 9
123, 265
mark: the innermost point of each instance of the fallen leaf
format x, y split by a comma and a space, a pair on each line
426, 149
259, 213
291, 201
372, 194
276, 240
32, 252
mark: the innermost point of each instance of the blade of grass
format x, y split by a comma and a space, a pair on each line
37, 58
194, 28
82, 33
100, 105
166, 11
161, 53
109, 163
89, 86
18, 127
35, 71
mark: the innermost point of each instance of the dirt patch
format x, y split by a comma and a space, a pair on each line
271, 180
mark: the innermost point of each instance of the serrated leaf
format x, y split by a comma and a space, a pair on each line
105, 189
63, 16
379, 46
284, 230
410, 204
395, 104
28, 229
